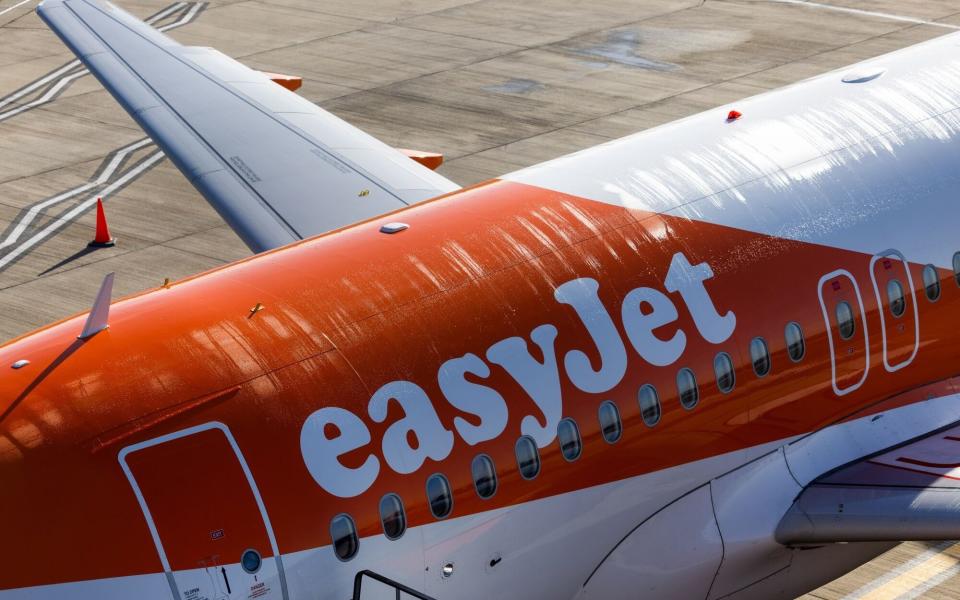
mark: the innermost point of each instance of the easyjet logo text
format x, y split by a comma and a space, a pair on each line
541, 380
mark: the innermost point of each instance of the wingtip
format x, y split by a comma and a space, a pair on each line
46, 5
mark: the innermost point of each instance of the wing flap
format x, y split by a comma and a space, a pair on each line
275, 166
911, 492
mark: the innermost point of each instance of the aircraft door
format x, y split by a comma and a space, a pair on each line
897, 299
846, 323
204, 511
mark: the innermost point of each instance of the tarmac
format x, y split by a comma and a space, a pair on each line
493, 85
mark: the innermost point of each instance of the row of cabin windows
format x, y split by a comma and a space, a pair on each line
723, 365
343, 529
896, 298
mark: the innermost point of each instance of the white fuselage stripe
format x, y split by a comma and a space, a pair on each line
537, 536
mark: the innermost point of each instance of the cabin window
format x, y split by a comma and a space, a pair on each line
568, 435
931, 283
687, 388
956, 267
610, 425
723, 369
845, 322
528, 457
895, 298
484, 476
796, 347
760, 356
392, 516
251, 561
439, 496
649, 404
343, 532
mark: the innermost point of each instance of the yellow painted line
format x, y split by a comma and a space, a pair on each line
915, 577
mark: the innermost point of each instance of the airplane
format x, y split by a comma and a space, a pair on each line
715, 359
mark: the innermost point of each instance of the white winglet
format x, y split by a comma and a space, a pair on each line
97, 320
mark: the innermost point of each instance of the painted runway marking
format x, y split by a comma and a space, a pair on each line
17, 5
869, 13
109, 178
68, 217
48, 96
934, 580
114, 161
55, 83
38, 84
913, 578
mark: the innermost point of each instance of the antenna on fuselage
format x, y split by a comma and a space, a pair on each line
97, 320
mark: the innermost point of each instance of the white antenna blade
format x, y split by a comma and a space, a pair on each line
97, 321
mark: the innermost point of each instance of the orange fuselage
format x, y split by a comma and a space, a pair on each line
350, 312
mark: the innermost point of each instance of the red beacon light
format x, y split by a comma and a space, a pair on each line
733, 115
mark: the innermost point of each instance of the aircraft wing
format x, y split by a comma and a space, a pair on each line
911, 492
275, 166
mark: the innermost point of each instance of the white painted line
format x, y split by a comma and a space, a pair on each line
47, 97
17, 5
39, 83
63, 79
186, 18
78, 210
913, 582
105, 176
166, 12
934, 580
35, 210
869, 13
882, 582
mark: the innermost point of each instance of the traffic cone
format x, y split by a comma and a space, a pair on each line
102, 239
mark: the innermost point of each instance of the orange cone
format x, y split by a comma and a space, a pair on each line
102, 239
